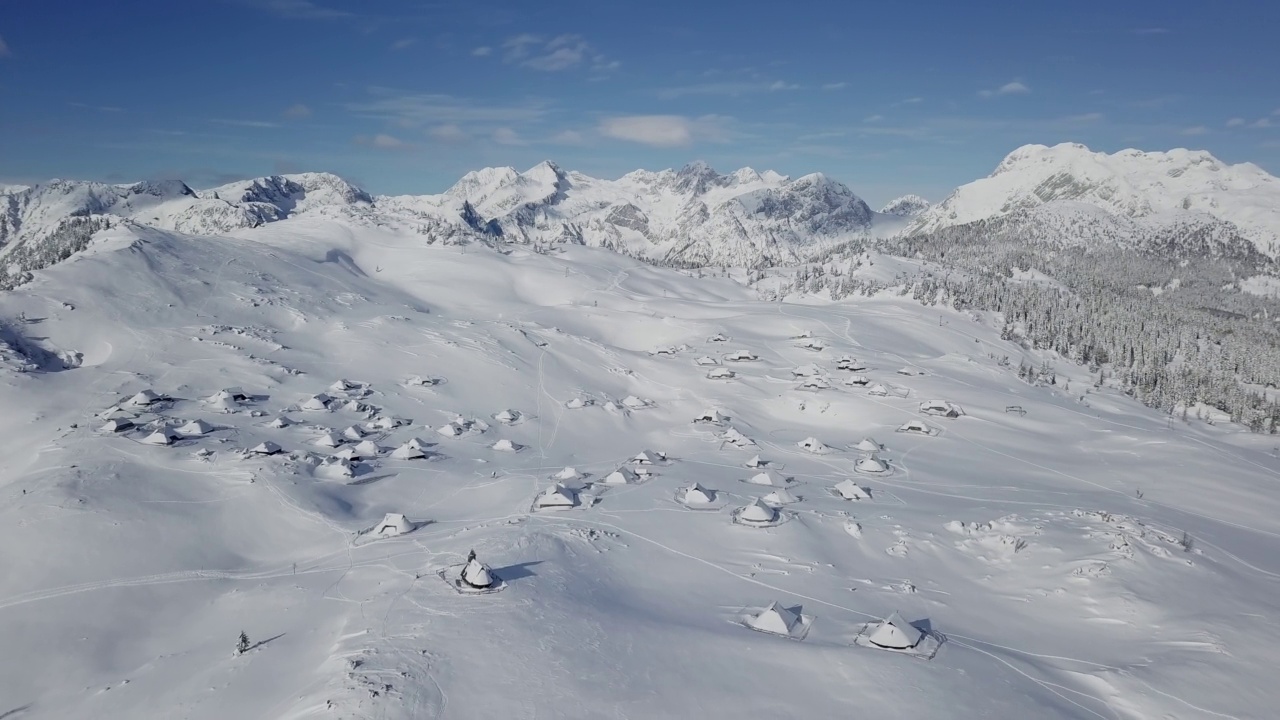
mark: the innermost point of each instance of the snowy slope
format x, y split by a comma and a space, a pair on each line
31, 211
44, 224
1046, 550
906, 206
1155, 188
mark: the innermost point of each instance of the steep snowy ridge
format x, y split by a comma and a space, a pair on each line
42, 224
291, 193
906, 206
1154, 188
33, 210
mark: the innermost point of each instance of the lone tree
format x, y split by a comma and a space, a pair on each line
243, 646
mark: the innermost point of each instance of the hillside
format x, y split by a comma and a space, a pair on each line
1058, 543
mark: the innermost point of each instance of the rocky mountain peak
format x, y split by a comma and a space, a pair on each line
906, 206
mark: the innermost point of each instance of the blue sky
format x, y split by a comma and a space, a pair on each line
404, 96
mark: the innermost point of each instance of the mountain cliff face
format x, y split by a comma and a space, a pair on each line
1045, 187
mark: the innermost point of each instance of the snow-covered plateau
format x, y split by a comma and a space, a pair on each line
300, 428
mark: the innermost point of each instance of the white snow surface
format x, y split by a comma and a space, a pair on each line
1263, 285
1176, 187
1048, 548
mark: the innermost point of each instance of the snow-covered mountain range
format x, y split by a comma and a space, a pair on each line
691, 215
172, 205
1062, 195
1061, 189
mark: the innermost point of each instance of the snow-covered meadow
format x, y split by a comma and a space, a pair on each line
1069, 553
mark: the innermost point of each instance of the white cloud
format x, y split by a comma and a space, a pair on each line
825, 151
910, 132
1195, 130
448, 133
1260, 123
664, 130
297, 111
419, 109
911, 101
558, 59
564, 51
873, 118
404, 43
245, 123
559, 53
780, 85
382, 141
4, 48
1156, 103
99, 108
569, 137
656, 130
1010, 88
835, 86
482, 51
517, 48
730, 89
507, 136
300, 9
823, 135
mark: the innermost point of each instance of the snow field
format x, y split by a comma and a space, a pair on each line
1021, 539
